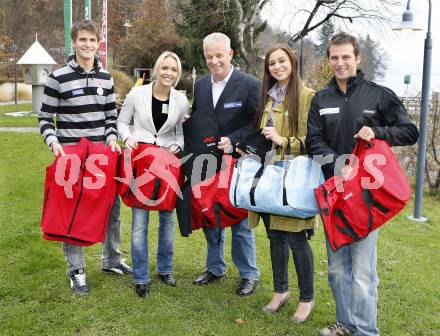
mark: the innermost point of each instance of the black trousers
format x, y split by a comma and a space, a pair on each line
280, 241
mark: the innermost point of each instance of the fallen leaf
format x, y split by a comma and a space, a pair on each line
239, 321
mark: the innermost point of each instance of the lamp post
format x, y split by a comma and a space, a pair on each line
407, 24
14, 46
301, 59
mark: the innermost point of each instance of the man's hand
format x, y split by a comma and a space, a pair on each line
131, 143
271, 134
57, 149
365, 133
114, 146
239, 151
225, 145
175, 149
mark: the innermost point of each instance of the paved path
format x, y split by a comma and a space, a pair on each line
20, 129
18, 102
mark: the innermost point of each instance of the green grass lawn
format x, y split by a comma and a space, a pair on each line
11, 121
35, 297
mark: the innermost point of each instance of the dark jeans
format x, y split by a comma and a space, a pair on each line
280, 241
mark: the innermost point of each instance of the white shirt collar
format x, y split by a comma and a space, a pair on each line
224, 80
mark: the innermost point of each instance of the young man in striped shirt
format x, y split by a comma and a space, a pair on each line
81, 94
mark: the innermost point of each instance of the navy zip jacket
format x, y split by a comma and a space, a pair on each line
335, 117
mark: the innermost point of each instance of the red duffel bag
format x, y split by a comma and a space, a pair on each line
210, 205
150, 178
79, 193
376, 190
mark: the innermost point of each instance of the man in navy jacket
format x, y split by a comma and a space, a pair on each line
234, 98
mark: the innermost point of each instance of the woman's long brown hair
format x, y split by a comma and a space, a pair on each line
291, 100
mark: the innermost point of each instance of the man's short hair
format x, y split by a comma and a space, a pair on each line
159, 61
343, 38
216, 38
87, 25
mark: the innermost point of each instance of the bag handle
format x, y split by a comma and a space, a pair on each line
302, 147
288, 148
357, 147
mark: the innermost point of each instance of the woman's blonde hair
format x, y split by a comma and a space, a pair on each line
161, 58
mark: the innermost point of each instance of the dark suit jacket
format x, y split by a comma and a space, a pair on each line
234, 114
236, 107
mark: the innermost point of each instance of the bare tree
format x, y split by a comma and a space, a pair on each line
342, 11
248, 12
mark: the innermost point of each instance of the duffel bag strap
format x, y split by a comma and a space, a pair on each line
156, 188
348, 230
217, 208
218, 221
255, 181
285, 203
369, 201
237, 167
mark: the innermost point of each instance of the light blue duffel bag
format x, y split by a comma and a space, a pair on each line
283, 188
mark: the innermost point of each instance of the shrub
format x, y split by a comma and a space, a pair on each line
6, 92
318, 75
408, 154
24, 91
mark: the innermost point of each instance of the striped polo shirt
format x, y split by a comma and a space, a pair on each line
83, 102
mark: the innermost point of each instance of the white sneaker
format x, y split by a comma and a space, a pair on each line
78, 282
121, 269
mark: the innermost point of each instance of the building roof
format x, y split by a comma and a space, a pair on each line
36, 54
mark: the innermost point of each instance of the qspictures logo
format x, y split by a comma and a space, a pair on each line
93, 175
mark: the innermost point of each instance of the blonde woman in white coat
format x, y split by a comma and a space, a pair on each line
157, 111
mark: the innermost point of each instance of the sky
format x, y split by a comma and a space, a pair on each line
405, 49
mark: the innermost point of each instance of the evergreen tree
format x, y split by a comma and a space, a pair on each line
373, 58
325, 33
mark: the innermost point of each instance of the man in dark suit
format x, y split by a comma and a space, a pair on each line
234, 98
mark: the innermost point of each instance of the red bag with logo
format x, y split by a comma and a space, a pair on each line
79, 193
375, 192
210, 205
150, 178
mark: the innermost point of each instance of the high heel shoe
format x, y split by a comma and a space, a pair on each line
299, 320
270, 310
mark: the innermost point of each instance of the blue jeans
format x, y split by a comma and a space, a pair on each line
353, 278
242, 251
139, 244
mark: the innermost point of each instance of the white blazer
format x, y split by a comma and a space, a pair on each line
137, 109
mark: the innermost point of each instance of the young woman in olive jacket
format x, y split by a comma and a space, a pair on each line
283, 117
